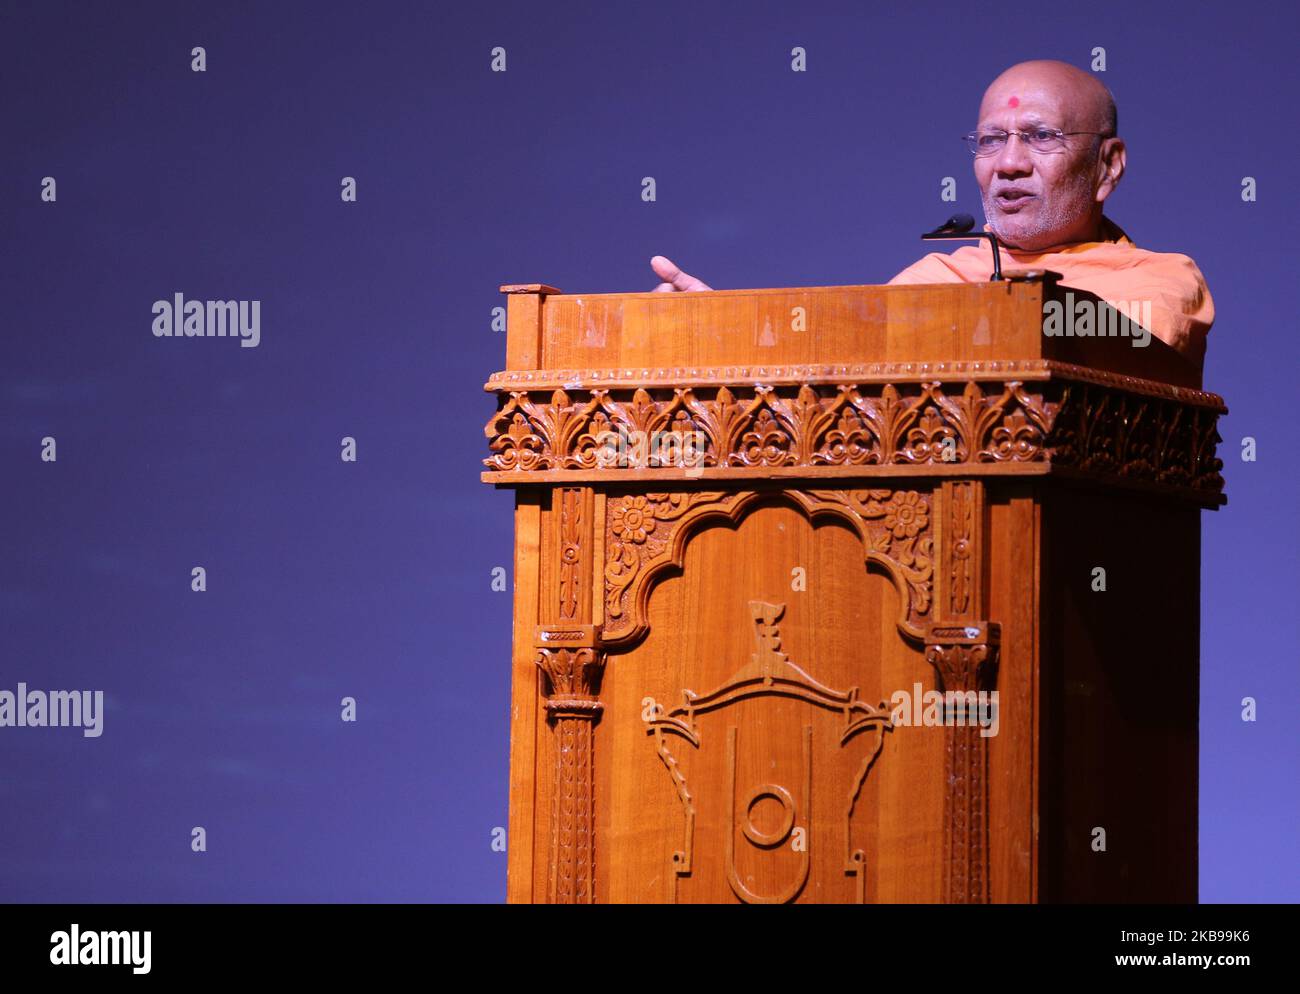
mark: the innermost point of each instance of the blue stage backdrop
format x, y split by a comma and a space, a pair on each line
372, 579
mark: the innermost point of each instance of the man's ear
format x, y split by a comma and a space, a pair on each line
1111, 161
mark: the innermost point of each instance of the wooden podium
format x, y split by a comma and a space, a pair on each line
768, 543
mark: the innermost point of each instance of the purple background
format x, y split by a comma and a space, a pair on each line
373, 579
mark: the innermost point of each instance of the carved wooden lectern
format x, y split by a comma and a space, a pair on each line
768, 543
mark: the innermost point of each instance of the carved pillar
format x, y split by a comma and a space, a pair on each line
966, 661
573, 685
963, 649
572, 660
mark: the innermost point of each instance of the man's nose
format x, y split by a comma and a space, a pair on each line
1014, 156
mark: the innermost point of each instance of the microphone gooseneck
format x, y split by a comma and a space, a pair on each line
959, 226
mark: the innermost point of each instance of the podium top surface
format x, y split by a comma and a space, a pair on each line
586, 335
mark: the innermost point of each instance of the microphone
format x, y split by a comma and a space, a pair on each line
959, 226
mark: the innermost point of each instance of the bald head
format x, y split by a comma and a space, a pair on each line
1089, 101
1043, 195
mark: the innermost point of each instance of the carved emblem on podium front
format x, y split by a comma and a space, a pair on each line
768, 675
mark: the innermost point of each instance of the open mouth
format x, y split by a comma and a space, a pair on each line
1011, 201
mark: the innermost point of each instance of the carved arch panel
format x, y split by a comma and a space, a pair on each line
646, 534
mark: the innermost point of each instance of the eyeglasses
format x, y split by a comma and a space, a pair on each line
1038, 139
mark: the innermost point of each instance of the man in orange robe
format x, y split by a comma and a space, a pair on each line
1048, 156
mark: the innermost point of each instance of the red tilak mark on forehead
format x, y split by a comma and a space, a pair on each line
1013, 102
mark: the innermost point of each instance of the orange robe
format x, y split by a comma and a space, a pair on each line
1114, 269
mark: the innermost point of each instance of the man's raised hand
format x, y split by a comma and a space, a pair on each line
673, 278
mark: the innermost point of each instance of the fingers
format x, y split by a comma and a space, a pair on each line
664, 268
673, 278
